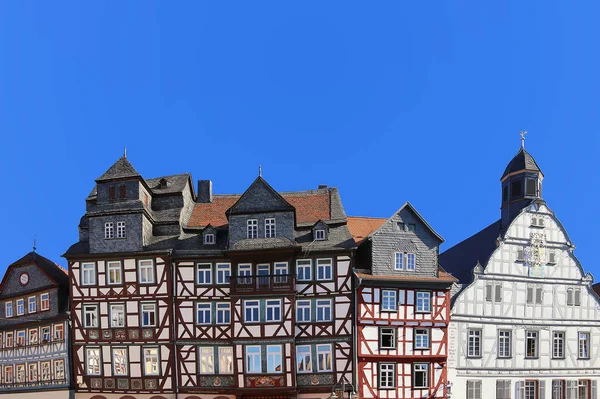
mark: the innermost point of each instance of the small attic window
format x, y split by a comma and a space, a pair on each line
209, 239
320, 235
412, 227
112, 194
400, 226
122, 191
163, 183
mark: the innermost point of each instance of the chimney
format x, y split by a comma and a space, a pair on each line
322, 186
205, 191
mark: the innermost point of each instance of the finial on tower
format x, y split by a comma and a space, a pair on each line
259, 170
125, 152
523, 133
34, 242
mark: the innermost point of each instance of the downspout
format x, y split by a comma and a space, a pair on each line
356, 281
173, 297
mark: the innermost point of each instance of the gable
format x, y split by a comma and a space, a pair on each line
259, 198
406, 219
36, 280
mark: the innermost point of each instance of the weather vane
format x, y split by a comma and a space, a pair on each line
523, 133
260, 170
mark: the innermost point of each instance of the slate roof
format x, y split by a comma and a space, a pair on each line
462, 258
360, 227
443, 276
175, 183
522, 161
120, 169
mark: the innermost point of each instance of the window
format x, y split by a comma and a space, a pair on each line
209, 238
423, 302
207, 360
515, 189
59, 332
20, 373
223, 312
123, 191
387, 338
504, 345
304, 269
421, 338
410, 261
531, 344
90, 316
583, 389
109, 230
21, 338
319, 234
252, 228
324, 269
8, 340
530, 389
148, 315
45, 371
323, 309
225, 360
281, 271
45, 334
558, 389
253, 362
412, 227
474, 343
324, 357
421, 375
115, 275
584, 345
387, 375
44, 301
244, 269
20, 307
389, 300
203, 313
493, 292
558, 345
8, 309
398, 260
573, 297
530, 187
88, 274
503, 389
8, 374
32, 304
33, 336
269, 227
223, 273
32, 372
303, 359
274, 359
117, 315
92, 359
111, 193
120, 361
151, 361
59, 370
539, 294
204, 274
120, 229
146, 271
273, 309
251, 311
302, 311
146, 202
474, 389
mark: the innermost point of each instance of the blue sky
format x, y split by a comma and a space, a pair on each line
388, 101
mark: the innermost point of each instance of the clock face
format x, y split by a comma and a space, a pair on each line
24, 278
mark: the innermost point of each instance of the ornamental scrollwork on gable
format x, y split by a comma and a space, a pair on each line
535, 254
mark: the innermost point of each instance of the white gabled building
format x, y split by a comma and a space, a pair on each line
525, 322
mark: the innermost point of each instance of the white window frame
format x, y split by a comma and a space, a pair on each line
206, 309
8, 374
148, 308
319, 234
204, 269
254, 307
109, 230
583, 345
124, 357
8, 309
44, 301
274, 356
225, 359
273, 310
32, 372
206, 359
421, 368
387, 375
389, 302
20, 307
422, 338
399, 260
251, 228
9, 339
244, 273
304, 359
223, 273
92, 310
558, 389
558, 345
46, 334
88, 273
93, 354
474, 343
324, 306
303, 308
209, 239
146, 271
59, 328
270, 228
32, 300
114, 269
113, 310
223, 313
59, 369
504, 344
304, 269
151, 360
423, 302
45, 372
121, 229
535, 336
324, 358
411, 261
324, 269
387, 332
253, 358
473, 389
21, 338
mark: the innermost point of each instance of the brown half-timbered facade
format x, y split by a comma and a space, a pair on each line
403, 307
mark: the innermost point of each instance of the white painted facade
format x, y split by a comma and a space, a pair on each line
532, 285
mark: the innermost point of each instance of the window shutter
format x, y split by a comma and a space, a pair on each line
594, 389
577, 297
538, 294
552, 258
529, 295
498, 292
499, 388
520, 390
541, 389
520, 255
571, 389
570, 296
488, 292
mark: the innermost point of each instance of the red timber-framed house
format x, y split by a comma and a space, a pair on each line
403, 307
121, 285
263, 295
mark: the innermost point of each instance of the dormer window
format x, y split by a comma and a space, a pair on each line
112, 193
109, 230
209, 239
531, 188
122, 191
163, 183
120, 229
270, 231
319, 234
252, 228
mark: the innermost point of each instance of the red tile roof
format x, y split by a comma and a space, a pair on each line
360, 227
310, 207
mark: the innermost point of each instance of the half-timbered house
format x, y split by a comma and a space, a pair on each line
403, 307
34, 337
525, 321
